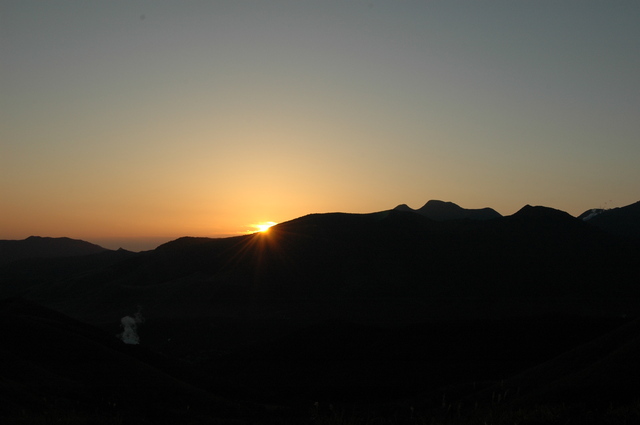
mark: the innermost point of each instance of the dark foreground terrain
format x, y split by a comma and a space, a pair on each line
383, 318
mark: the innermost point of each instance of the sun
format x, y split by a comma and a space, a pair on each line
264, 226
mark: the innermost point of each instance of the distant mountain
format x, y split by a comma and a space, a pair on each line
623, 221
40, 247
441, 211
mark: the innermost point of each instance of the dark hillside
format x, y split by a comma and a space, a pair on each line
601, 371
342, 361
38, 276
62, 370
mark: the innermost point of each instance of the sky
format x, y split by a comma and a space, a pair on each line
131, 123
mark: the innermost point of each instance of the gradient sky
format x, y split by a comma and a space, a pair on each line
129, 123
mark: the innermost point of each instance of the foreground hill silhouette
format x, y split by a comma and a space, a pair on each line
390, 309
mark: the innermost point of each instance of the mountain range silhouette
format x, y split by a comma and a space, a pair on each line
384, 314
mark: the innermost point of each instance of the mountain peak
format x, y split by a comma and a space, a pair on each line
537, 211
589, 214
444, 210
404, 207
433, 203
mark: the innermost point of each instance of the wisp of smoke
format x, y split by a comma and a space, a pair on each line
130, 326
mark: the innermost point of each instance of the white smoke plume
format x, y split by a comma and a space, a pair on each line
130, 326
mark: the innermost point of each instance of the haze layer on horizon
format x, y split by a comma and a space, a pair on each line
148, 119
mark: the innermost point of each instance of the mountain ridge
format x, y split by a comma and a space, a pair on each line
623, 221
